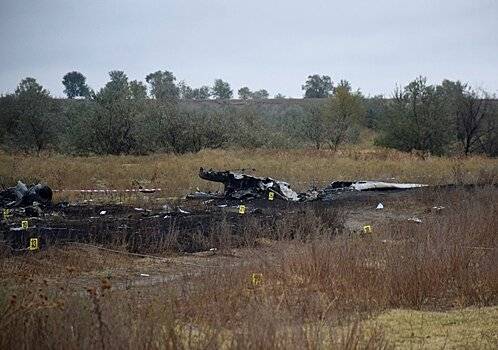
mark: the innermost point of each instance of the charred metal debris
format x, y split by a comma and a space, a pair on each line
239, 186
29, 214
22, 195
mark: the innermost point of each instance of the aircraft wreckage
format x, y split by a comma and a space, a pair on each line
22, 195
237, 186
243, 186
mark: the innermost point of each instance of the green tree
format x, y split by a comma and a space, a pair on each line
260, 94
201, 93
221, 90
186, 92
248, 130
314, 127
138, 90
417, 118
112, 124
116, 89
189, 131
244, 93
317, 86
162, 85
472, 112
30, 87
33, 118
8, 113
279, 96
344, 84
375, 110
75, 85
342, 114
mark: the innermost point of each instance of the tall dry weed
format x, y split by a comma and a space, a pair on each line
314, 293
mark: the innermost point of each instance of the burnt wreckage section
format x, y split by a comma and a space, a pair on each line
244, 186
145, 230
22, 196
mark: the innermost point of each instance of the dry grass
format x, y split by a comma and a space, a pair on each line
470, 328
319, 291
302, 168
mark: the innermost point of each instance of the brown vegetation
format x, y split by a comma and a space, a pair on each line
177, 174
316, 291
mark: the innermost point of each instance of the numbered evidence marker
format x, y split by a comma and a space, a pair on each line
24, 224
33, 244
367, 229
6, 214
242, 209
257, 279
271, 196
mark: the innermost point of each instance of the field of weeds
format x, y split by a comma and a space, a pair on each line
308, 280
177, 174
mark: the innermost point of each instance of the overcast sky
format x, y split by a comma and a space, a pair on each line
262, 44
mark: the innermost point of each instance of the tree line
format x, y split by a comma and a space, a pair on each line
163, 115
162, 86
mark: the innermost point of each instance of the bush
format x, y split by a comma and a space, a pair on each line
416, 119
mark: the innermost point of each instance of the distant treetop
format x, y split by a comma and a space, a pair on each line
75, 85
317, 86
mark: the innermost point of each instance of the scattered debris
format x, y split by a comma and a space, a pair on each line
205, 253
205, 195
145, 229
415, 219
144, 275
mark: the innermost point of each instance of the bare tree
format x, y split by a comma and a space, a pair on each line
473, 111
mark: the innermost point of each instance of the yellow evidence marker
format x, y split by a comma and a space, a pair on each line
271, 196
24, 224
242, 209
257, 279
33, 244
6, 214
367, 229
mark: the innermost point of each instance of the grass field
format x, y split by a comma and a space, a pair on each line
408, 285
177, 174
471, 328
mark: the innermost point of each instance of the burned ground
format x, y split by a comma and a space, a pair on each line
188, 226
318, 269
